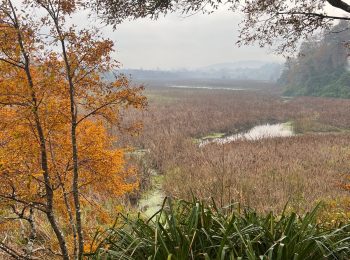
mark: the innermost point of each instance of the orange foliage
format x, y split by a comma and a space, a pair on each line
24, 106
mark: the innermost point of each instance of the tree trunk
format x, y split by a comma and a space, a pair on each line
75, 182
43, 152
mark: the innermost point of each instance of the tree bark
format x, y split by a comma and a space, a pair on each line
75, 182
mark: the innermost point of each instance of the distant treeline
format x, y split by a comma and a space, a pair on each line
241, 70
321, 67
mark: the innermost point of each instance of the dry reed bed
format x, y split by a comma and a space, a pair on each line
265, 174
328, 111
174, 116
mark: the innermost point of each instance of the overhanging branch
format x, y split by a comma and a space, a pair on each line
340, 5
322, 16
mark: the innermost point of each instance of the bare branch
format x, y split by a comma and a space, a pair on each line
340, 4
11, 63
37, 205
10, 251
93, 112
322, 16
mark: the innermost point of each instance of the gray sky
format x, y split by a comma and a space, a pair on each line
176, 42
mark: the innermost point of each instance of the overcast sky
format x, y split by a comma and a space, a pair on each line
176, 42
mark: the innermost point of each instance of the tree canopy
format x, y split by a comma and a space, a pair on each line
268, 22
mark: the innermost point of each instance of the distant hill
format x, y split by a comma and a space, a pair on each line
248, 64
243, 70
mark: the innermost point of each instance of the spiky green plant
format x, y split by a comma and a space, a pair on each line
195, 230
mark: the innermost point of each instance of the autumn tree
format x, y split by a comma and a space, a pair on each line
55, 152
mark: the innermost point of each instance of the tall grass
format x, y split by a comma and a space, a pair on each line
262, 174
196, 230
265, 174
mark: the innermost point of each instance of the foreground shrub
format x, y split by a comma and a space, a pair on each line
195, 230
335, 211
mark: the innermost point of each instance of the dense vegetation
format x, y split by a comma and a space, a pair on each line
321, 67
276, 170
64, 175
58, 159
194, 230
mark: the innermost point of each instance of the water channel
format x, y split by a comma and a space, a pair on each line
152, 200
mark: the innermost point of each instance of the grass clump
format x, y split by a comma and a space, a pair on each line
196, 230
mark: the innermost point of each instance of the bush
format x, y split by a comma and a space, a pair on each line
195, 230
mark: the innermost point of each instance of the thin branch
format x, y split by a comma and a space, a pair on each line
340, 5
11, 63
322, 16
37, 205
113, 102
13, 253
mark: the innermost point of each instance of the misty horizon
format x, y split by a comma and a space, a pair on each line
174, 42
238, 63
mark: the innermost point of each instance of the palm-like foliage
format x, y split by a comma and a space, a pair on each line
193, 230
